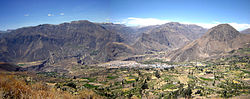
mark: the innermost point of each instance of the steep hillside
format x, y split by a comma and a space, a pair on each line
129, 34
168, 36
78, 39
8, 67
246, 31
218, 40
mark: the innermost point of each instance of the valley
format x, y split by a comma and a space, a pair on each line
225, 77
125, 49
82, 59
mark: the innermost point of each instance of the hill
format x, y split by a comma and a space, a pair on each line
168, 36
78, 39
246, 31
218, 40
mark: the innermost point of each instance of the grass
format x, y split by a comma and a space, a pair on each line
245, 50
166, 78
112, 77
130, 79
21, 65
90, 79
168, 86
248, 72
90, 86
206, 79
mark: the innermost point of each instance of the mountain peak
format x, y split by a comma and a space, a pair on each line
80, 21
223, 32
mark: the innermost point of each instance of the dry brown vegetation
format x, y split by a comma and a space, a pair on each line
14, 87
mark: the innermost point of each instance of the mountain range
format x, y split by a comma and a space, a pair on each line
91, 43
80, 39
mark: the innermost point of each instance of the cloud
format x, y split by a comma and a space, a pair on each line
237, 26
50, 15
61, 14
26, 15
240, 26
132, 21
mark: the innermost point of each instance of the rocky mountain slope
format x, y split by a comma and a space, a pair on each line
83, 40
218, 40
8, 67
91, 42
246, 31
168, 36
129, 34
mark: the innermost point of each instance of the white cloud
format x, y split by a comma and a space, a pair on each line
132, 21
50, 14
61, 14
26, 15
204, 25
237, 26
240, 26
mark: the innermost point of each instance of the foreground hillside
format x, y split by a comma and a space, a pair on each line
21, 85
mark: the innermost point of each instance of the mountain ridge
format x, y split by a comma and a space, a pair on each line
77, 38
218, 40
168, 36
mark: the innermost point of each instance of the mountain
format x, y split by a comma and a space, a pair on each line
82, 40
129, 34
8, 67
217, 40
90, 43
2, 33
167, 36
246, 31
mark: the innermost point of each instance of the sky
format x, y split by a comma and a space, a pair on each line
206, 13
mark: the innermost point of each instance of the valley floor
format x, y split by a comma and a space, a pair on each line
221, 78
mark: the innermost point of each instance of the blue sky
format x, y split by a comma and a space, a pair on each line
206, 13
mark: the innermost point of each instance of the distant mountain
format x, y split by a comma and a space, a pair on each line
9, 67
2, 32
246, 31
167, 36
129, 34
83, 40
218, 40
90, 43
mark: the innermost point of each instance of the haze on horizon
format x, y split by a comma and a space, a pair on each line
206, 13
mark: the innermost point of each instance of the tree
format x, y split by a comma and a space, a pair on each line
157, 74
188, 92
144, 85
